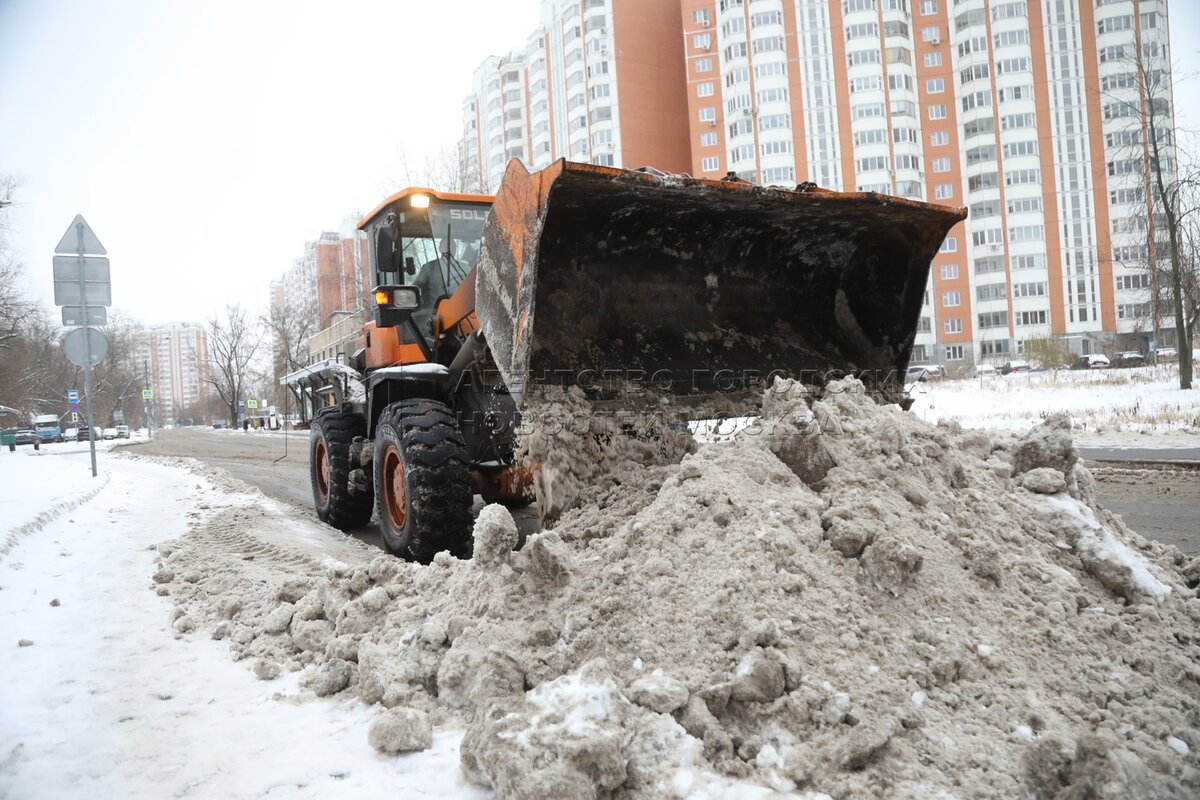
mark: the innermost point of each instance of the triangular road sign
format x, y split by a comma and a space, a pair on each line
70, 240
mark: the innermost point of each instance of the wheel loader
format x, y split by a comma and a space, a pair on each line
596, 277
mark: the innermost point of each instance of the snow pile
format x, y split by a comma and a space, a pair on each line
846, 601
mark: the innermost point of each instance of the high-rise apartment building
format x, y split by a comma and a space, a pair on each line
333, 276
173, 358
598, 80
1018, 110
1029, 113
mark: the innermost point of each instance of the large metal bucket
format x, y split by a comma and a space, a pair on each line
605, 277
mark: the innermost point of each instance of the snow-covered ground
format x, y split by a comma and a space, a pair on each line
102, 698
1118, 400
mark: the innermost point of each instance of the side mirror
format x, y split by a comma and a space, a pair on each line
394, 305
410, 266
385, 250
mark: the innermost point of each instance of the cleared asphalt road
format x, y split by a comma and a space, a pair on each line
1163, 507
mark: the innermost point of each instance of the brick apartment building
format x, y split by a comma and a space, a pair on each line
329, 280
1025, 112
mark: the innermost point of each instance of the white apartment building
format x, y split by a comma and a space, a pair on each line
598, 81
173, 359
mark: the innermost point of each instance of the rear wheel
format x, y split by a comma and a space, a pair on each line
337, 502
423, 485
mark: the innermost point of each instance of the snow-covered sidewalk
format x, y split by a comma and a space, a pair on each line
102, 698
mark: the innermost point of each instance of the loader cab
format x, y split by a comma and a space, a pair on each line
431, 240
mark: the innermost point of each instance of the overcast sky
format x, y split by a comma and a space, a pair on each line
205, 142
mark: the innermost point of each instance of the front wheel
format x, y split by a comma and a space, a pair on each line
422, 482
338, 501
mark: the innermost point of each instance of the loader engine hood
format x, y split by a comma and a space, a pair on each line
597, 277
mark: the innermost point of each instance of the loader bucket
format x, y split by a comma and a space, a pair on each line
604, 277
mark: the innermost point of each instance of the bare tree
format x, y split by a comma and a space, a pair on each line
290, 333
445, 170
1169, 195
15, 306
232, 345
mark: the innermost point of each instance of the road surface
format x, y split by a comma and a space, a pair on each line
1159, 505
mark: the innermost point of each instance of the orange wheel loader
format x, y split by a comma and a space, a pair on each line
696, 288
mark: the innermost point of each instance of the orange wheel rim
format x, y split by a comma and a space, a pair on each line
321, 460
395, 495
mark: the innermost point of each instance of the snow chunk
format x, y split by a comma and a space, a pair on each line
1113, 563
1178, 745
400, 730
495, 536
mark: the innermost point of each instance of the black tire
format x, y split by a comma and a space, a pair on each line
423, 484
329, 466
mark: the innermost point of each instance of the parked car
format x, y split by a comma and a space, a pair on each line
935, 371
28, 436
1093, 361
915, 374
109, 433
1014, 366
982, 371
122, 431
83, 433
70, 433
1163, 354
1128, 359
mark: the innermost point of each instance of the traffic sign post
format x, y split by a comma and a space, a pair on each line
81, 279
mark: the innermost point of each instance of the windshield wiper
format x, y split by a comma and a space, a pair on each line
451, 261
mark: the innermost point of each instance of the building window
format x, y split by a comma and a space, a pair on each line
943, 191
704, 89
991, 291
939, 138
993, 319
949, 245
937, 111
935, 86
701, 41
772, 95
951, 299
928, 7
1140, 281
703, 65
952, 325
931, 33
954, 352
708, 139
933, 59
949, 272
779, 175
710, 164
708, 114
941, 164
700, 16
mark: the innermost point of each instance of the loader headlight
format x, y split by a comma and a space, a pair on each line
407, 297
420, 201
404, 298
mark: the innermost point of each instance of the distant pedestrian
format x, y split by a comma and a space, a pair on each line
245, 425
